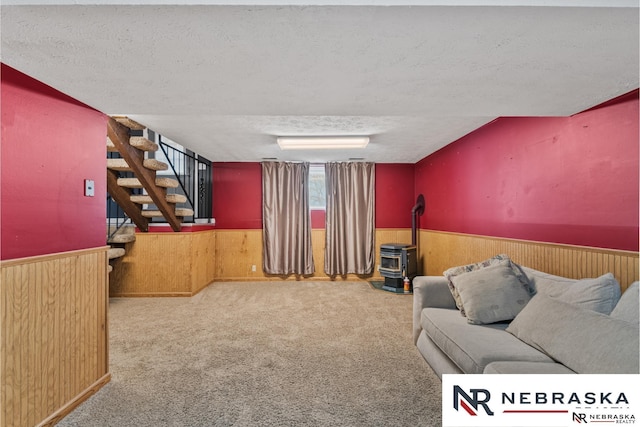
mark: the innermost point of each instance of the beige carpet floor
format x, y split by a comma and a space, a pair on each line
265, 354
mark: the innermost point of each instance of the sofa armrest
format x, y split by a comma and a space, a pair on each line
429, 291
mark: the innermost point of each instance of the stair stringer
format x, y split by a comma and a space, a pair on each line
122, 197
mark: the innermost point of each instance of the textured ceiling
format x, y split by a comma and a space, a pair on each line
225, 80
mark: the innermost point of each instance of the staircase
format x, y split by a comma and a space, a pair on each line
133, 149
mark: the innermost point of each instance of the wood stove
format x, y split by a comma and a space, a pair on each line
397, 261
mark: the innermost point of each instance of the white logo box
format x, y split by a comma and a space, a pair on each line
540, 400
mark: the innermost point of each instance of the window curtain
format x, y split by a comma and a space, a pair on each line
286, 220
350, 220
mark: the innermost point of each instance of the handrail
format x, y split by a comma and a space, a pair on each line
194, 174
116, 218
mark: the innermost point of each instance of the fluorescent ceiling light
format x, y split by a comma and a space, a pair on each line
321, 142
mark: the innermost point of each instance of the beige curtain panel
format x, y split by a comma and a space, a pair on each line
350, 220
286, 220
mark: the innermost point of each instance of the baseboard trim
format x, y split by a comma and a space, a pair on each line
65, 410
152, 294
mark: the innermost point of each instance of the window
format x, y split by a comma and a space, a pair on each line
317, 189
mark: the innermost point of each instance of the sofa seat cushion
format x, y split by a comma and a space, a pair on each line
526, 368
473, 347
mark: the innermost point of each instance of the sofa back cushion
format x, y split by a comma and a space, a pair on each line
585, 341
627, 308
599, 294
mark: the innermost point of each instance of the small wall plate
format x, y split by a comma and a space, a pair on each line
89, 188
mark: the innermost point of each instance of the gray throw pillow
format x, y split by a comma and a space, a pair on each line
491, 294
628, 306
583, 340
599, 294
500, 259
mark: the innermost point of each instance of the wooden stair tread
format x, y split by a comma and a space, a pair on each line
142, 143
167, 182
115, 253
143, 199
135, 182
122, 165
126, 121
111, 146
122, 238
118, 165
123, 229
139, 142
176, 198
155, 165
180, 212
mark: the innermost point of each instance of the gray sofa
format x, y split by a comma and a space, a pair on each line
558, 325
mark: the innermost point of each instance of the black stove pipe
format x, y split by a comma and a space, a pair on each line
417, 210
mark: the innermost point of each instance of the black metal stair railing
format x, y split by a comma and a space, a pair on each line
116, 217
194, 173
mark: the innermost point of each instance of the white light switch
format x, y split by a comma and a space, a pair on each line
89, 188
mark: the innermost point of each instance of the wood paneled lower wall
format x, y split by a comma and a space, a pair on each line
181, 264
53, 336
442, 250
165, 264
237, 251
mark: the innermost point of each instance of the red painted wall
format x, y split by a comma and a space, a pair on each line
318, 218
50, 145
394, 195
571, 180
237, 196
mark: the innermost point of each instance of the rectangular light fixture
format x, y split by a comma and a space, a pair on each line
321, 142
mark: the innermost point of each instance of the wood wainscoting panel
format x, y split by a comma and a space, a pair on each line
442, 250
203, 260
238, 250
165, 264
54, 337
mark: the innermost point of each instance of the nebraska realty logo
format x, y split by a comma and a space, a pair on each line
471, 403
539, 400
